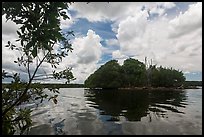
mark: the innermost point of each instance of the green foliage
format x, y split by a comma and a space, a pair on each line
39, 32
66, 74
193, 83
112, 75
165, 77
133, 74
107, 76
15, 118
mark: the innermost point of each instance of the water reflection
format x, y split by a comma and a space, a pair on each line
134, 105
113, 112
58, 128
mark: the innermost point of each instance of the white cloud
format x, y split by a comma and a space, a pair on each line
117, 55
116, 11
186, 22
157, 10
9, 27
102, 11
160, 8
130, 32
112, 42
87, 51
9, 34
112, 45
140, 38
166, 5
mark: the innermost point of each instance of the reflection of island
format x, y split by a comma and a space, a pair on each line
134, 105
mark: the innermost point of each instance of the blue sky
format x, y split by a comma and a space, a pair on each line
168, 33
193, 76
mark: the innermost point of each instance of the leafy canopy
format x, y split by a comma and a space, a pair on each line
133, 73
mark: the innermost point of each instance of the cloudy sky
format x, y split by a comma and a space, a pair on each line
169, 33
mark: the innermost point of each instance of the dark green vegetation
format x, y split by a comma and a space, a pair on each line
39, 31
63, 85
192, 84
134, 73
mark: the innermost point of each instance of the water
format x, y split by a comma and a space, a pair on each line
112, 112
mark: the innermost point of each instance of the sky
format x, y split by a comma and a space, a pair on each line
169, 33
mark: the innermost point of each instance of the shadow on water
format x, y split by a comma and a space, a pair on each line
134, 105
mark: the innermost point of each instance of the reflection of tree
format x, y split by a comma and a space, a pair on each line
135, 104
168, 100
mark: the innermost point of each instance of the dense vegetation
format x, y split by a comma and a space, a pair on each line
134, 73
192, 84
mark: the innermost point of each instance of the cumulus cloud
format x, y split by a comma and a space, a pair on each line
186, 22
117, 11
160, 7
112, 42
139, 38
130, 32
117, 55
103, 11
87, 51
171, 42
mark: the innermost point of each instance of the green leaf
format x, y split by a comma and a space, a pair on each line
34, 52
55, 96
28, 45
47, 47
54, 100
37, 98
18, 33
21, 42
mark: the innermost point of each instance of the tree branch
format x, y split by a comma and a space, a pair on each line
27, 87
29, 75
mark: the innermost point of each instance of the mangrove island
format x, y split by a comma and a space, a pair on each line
134, 74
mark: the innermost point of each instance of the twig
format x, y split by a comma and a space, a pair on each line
27, 87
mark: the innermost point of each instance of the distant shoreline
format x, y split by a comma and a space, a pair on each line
187, 85
53, 85
159, 88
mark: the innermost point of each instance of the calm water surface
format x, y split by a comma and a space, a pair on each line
112, 112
